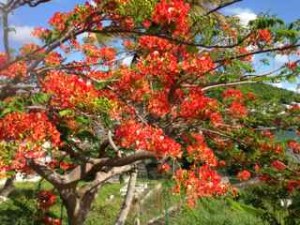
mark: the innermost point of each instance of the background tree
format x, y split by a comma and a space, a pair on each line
78, 123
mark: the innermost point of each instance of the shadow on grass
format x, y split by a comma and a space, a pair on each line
20, 209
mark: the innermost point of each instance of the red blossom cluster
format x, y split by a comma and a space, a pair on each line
28, 127
197, 105
198, 65
46, 199
58, 21
202, 182
17, 69
159, 104
95, 54
233, 94
293, 185
131, 134
53, 59
151, 43
47, 220
200, 152
129, 79
292, 65
172, 12
294, 146
247, 55
27, 131
267, 146
278, 165
163, 66
243, 175
264, 35
238, 110
69, 91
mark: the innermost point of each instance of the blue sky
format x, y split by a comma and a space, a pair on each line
26, 18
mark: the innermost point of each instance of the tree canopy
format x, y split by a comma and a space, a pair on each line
79, 122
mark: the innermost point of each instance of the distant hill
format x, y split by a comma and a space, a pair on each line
270, 93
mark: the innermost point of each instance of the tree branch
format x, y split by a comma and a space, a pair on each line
228, 84
50, 175
121, 219
95, 165
222, 6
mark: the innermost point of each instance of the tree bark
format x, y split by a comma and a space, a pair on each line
128, 199
78, 205
8, 187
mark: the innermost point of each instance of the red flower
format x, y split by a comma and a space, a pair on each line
264, 35
172, 12
243, 51
147, 24
238, 110
292, 65
51, 221
46, 199
233, 94
159, 104
294, 146
256, 168
278, 165
164, 168
292, 185
244, 175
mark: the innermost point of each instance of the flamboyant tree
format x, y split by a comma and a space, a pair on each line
77, 123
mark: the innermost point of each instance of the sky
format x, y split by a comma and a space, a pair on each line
25, 19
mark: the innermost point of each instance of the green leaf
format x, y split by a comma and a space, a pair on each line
66, 112
245, 208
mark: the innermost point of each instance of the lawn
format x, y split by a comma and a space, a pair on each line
21, 209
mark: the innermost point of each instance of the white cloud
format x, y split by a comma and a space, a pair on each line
281, 59
127, 61
22, 34
245, 15
279, 85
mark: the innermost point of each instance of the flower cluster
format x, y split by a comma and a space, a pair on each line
47, 199
264, 35
24, 135
294, 146
199, 151
58, 21
158, 104
53, 59
199, 65
17, 69
47, 220
151, 43
238, 110
243, 175
131, 134
197, 105
278, 165
28, 127
172, 12
232, 94
69, 91
203, 182
95, 54
293, 185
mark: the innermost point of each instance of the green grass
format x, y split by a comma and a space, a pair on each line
214, 212
21, 209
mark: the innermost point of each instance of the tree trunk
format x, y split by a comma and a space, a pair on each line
8, 187
77, 205
128, 199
